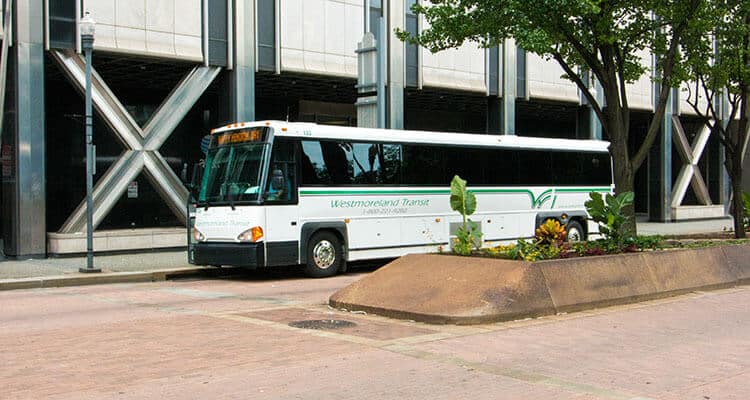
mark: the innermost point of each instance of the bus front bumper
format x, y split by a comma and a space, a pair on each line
234, 254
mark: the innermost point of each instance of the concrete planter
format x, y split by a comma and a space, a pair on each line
470, 290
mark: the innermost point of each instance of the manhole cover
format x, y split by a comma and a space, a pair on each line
322, 324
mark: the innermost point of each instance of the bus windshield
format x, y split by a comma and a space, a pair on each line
233, 173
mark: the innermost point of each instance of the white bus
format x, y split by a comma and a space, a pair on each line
277, 193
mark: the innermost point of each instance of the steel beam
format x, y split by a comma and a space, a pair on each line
107, 191
174, 108
105, 101
690, 154
142, 144
167, 183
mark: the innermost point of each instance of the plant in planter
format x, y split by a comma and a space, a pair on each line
548, 243
468, 236
551, 233
609, 213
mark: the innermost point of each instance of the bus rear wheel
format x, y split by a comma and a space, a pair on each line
574, 232
324, 255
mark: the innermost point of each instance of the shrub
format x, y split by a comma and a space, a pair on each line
548, 243
654, 242
550, 233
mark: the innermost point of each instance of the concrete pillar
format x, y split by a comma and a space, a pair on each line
396, 65
23, 144
241, 78
509, 84
660, 165
588, 125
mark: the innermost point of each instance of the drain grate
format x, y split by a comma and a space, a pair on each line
322, 324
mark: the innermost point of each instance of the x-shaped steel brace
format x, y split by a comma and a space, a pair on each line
142, 144
690, 154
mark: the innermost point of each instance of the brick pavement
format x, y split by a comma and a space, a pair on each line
230, 339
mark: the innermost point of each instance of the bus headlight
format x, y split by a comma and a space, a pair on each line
198, 235
251, 235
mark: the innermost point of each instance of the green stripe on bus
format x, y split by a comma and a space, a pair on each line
583, 190
351, 192
536, 202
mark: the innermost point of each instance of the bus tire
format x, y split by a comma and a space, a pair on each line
574, 232
324, 255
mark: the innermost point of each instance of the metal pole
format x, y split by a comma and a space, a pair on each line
87, 42
381, 74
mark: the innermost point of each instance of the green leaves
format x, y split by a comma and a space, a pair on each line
468, 236
746, 206
462, 200
610, 213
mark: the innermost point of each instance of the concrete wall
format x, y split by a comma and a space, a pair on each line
462, 68
320, 36
640, 92
544, 80
161, 28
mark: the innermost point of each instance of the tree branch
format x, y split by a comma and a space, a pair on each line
581, 86
660, 107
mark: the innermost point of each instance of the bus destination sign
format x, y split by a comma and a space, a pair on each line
244, 136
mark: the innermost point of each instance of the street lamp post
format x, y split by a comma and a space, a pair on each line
88, 26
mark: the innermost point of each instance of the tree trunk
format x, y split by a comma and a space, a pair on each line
735, 156
623, 175
618, 148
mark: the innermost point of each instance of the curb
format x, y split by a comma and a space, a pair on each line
112, 277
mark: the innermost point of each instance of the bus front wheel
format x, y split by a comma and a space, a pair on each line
324, 255
575, 232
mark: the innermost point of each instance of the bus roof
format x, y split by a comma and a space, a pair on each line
315, 131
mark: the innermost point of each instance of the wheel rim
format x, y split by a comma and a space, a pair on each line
324, 254
574, 235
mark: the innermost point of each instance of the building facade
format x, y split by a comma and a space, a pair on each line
167, 71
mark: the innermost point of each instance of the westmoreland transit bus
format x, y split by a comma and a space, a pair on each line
277, 193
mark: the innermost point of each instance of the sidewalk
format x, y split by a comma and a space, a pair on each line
684, 227
139, 267
139, 262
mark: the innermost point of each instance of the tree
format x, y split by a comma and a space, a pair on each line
718, 61
600, 36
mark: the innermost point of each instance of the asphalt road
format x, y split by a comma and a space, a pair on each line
232, 339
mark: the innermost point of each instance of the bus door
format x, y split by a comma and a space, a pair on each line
281, 204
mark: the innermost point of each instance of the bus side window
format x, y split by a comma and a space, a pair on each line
314, 169
390, 172
423, 165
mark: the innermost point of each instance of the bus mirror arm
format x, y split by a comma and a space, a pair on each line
197, 175
183, 174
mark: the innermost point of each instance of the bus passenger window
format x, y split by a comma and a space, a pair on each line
390, 172
314, 171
